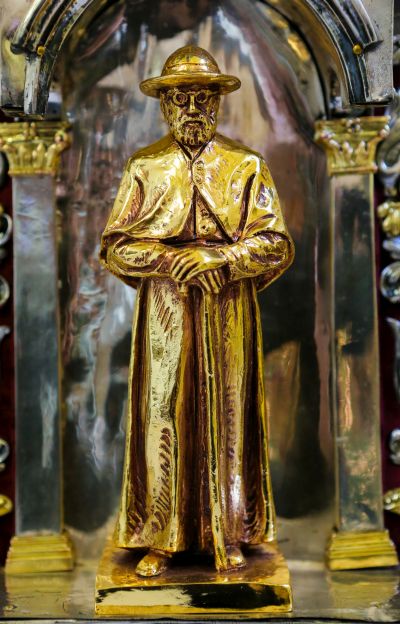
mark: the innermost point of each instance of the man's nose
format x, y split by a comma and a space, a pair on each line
192, 108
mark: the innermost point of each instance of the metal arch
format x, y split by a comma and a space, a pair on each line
346, 23
41, 36
355, 20
48, 24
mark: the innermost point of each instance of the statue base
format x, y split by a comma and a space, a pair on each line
37, 553
191, 588
348, 550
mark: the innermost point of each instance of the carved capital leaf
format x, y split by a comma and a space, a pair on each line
34, 148
350, 144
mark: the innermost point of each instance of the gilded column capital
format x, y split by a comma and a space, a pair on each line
350, 144
33, 148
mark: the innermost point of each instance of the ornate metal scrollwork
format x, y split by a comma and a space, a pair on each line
388, 160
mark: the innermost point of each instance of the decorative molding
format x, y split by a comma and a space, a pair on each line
40, 553
348, 550
34, 148
350, 144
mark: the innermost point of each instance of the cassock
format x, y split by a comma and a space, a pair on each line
196, 463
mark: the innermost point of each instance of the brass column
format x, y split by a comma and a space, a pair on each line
359, 539
40, 543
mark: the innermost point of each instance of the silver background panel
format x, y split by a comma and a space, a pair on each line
357, 396
38, 418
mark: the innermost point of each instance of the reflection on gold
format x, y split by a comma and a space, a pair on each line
369, 588
282, 370
192, 588
299, 47
36, 594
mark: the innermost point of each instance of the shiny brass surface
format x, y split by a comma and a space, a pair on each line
6, 504
193, 589
197, 228
364, 549
186, 67
391, 500
34, 554
33, 148
350, 144
389, 213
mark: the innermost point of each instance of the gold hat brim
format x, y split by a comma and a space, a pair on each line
225, 83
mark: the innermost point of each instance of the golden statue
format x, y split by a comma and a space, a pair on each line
197, 229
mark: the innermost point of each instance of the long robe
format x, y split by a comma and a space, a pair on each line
196, 464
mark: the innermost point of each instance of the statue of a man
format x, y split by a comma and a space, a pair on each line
197, 229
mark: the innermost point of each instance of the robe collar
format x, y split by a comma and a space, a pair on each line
210, 206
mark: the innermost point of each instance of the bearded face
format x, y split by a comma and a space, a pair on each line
191, 114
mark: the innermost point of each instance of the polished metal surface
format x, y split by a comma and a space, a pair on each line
4, 450
394, 446
395, 325
110, 120
4, 331
388, 153
390, 282
38, 417
12, 74
4, 291
392, 245
352, 43
355, 35
356, 357
318, 596
5, 228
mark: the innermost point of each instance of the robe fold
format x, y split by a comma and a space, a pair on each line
196, 463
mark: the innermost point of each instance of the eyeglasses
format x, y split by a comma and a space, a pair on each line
181, 98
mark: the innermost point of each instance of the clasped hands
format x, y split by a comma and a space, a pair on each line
199, 265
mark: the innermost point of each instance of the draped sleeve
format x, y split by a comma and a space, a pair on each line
123, 255
264, 248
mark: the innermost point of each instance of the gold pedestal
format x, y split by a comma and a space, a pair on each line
39, 553
349, 550
191, 588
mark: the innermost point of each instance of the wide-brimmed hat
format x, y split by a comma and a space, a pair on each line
190, 66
